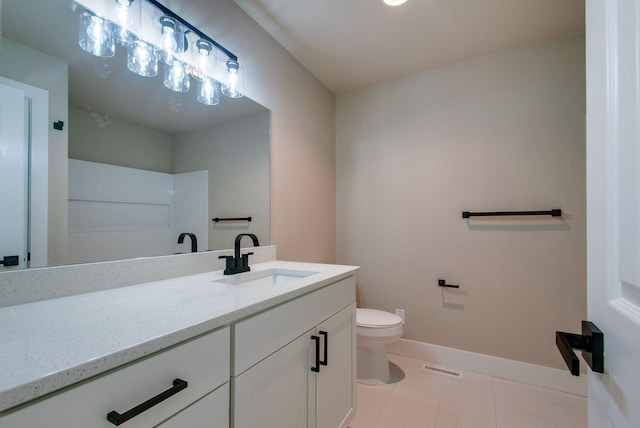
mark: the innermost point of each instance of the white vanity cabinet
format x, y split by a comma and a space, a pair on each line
273, 384
202, 362
212, 411
335, 382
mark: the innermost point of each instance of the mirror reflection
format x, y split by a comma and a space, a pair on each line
115, 165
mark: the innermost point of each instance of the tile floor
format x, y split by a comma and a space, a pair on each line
426, 399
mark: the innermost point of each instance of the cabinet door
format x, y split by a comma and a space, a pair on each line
335, 383
274, 392
259, 336
212, 411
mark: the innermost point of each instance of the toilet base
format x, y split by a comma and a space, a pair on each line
373, 365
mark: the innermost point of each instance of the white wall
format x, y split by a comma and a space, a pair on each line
49, 73
236, 154
118, 143
500, 132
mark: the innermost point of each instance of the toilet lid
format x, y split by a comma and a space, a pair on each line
376, 318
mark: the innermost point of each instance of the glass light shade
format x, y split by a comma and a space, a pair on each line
208, 92
233, 87
172, 39
141, 59
126, 18
176, 76
95, 35
203, 60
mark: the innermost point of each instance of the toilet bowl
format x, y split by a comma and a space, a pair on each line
374, 330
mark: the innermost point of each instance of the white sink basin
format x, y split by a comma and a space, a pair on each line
266, 278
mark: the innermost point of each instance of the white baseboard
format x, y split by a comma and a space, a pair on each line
547, 377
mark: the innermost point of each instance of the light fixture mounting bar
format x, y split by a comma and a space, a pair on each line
182, 21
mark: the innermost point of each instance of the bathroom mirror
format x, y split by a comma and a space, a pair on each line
121, 132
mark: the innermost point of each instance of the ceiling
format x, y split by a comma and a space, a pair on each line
348, 44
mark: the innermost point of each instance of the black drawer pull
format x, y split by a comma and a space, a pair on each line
317, 366
326, 347
118, 419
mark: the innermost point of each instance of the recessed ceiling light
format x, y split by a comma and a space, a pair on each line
394, 2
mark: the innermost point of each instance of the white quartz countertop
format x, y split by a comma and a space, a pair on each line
51, 344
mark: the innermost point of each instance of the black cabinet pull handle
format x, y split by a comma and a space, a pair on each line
317, 366
118, 419
326, 347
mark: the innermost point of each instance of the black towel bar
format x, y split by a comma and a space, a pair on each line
218, 219
552, 213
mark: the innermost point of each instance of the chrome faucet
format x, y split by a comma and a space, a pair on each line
239, 263
194, 241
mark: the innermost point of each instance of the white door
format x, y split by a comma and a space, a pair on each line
613, 207
13, 162
32, 174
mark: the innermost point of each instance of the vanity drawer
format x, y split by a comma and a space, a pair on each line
259, 336
212, 411
202, 362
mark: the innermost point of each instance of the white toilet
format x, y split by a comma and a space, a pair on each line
374, 330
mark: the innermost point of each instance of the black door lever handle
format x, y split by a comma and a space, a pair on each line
591, 342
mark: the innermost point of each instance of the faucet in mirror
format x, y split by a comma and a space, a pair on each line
194, 241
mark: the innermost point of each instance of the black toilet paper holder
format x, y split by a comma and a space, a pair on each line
443, 283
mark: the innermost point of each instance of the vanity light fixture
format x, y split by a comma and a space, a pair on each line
141, 59
152, 33
176, 76
209, 92
204, 60
394, 2
172, 39
233, 86
124, 21
96, 35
